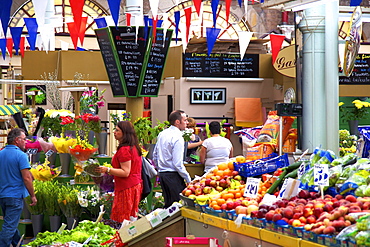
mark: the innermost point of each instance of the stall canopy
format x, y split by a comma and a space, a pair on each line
9, 109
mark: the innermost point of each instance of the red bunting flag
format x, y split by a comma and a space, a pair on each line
128, 19
81, 31
77, 7
197, 4
9, 46
21, 46
187, 21
276, 42
154, 26
73, 33
228, 3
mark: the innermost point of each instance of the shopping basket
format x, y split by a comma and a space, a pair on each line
262, 166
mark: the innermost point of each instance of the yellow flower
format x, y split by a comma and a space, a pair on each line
340, 103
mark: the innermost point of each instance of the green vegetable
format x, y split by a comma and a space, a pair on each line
292, 174
278, 181
292, 166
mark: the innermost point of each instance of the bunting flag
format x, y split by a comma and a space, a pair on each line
165, 23
128, 19
5, 14
16, 33
46, 32
81, 31
177, 22
146, 26
77, 8
262, 1
159, 22
64, 45
245, 8
276, 42
240, 3
187, 21
214, 5
154, 25
228, 3
355, 2
244, 39
198, 5
9, 46
154, 7
21, 46
31, 25
40, 9
212, 34
114, 10
3, 47
101, 22
73, 33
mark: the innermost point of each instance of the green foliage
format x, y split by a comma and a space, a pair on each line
52, 189
40, 95
40, 193
145, 132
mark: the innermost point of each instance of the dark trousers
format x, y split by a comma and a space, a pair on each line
172, 184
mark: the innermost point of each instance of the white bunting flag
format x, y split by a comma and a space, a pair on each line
244, 39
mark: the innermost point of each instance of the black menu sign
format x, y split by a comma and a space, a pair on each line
156, 62
131, 51
111, 62
360, 73
220, 65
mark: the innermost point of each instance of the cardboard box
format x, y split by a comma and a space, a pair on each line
134, 229
191, 242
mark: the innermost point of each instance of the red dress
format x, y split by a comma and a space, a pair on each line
127, 191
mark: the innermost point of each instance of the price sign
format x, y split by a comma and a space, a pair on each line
32, 151
251, 187
321, 174
301, 170
49, 153
283, 189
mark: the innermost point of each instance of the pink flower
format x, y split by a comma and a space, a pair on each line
100, 104
88, 93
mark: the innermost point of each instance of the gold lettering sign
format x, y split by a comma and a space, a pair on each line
286, 62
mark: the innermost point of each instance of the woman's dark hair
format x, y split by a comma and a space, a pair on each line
129, 137
215, 127
14, 133
175, 115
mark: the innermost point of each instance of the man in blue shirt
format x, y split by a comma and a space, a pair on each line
15, 184
168, 155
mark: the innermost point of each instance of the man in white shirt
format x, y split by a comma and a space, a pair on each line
168, 156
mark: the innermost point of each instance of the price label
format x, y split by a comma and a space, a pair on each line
283, 189
251, 187
32, 151
321, 174
49, 153
301, 170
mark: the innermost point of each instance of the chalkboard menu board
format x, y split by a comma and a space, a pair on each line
131, 53
156, 62
220, 65
360, 73
110, 61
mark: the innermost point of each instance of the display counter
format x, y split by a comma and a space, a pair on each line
206, 225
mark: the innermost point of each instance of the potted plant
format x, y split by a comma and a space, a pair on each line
37, 211
68, 203
357, 111
52, 206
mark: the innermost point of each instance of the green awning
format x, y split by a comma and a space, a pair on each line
9, 109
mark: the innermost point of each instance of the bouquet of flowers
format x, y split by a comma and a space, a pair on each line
46, 146
43, 172
105, 182
347, 143
52, 122
32, 119
91, 99
39, 208
52, 189
68, 201
90, 201
33, 143
187, 134
82, 150
62, 144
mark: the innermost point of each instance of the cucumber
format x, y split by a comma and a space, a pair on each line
278, 181
292, 174
293, 166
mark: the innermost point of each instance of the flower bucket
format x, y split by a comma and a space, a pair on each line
72, 222
65, 160
37, 222
55, 222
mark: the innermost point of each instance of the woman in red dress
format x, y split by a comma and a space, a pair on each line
126, 170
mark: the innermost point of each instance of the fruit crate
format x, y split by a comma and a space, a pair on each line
309, 236
289, 231
327, 240
230, 214
200, 208
218, 213
270, 225
298, 231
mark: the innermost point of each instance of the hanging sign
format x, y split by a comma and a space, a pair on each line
285, 62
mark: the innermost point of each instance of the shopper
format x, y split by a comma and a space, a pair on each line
15, 184
126, 170
168, 156
216, 149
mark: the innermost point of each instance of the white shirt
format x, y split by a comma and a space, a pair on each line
218, 151
169, 152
